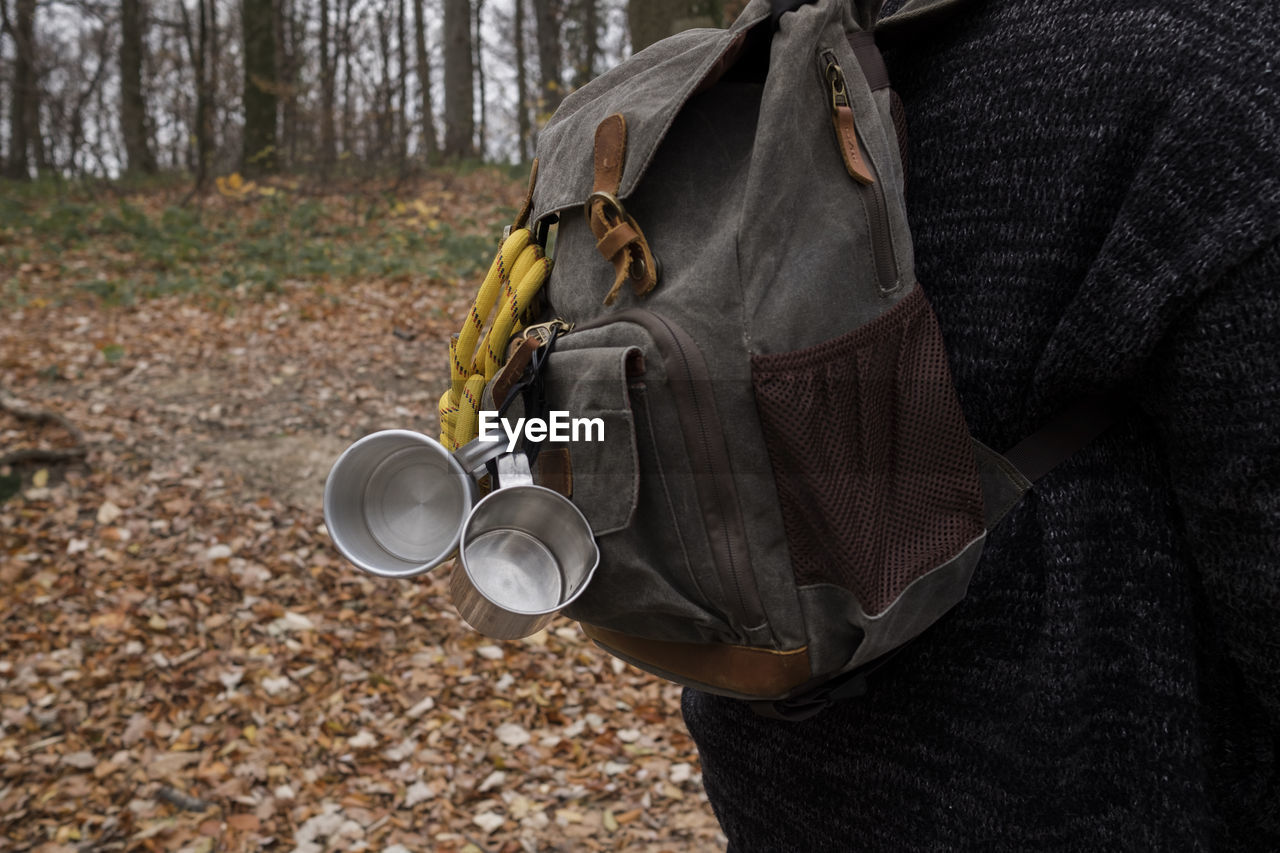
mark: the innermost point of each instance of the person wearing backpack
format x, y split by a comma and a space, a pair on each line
1094, 194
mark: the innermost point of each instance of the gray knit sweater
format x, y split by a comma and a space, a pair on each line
1094, 189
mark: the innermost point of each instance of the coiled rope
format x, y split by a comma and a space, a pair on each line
517, 274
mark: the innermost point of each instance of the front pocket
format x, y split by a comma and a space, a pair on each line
589, 386
635, 491
871, 457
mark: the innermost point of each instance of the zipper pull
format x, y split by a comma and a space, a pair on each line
842, 119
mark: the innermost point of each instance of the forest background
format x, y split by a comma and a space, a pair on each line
234, 237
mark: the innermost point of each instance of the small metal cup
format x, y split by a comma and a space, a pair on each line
395, 501
525, 553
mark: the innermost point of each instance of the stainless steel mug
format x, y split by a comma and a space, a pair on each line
395, 501
525, 553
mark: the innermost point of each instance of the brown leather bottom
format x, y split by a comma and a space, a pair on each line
741, 670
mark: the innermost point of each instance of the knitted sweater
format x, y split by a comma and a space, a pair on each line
1094, 190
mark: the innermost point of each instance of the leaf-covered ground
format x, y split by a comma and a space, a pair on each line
185, 661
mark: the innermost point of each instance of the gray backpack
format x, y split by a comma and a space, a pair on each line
787, 489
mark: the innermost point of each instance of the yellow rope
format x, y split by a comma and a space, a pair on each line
516, 276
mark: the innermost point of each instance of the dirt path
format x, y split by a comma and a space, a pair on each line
187, 664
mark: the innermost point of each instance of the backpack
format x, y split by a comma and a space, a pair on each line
786, 490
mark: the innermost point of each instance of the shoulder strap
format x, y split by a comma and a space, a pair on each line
1065, 433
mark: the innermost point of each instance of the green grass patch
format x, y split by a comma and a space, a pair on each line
61, 242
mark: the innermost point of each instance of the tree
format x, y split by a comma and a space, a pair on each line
459, 118
548, 18
427, 119
328, 149
402, 86
653, 20
198, 51
24, 104
590, 47
384, 102
523, 128
478, 64
260, 86
133, 106
288, 34
348, 110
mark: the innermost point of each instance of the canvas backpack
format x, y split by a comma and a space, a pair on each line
786, 490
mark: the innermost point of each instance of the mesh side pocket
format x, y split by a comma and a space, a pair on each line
871, 456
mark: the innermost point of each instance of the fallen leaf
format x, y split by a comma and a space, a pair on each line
244, 822
218, 552
274, 685
512, 734
108, 513
364, 739
494, 780
80, 760
419, 792
489, 822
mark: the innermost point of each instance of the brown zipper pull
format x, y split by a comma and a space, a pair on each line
846, 130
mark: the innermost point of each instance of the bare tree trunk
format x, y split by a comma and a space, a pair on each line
133, 106
101, 115
23, 120
214, 80
204, 94
522, 86
347, 111
459, 120
547, 19
260, 86
293, 90
287, 59
327, 152
427, 120
75, 121
654, 20
385, 122
590, 43
402, 87
4, 31
198, 51
478, 64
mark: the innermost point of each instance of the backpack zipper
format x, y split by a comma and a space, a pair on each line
861, 169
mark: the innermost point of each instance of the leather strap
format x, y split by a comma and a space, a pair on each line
870, 60
555, 470
518, 360
618, 236
1064, 434
527, 208
740, 670
610, 153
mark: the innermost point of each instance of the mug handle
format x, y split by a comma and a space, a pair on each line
476, 454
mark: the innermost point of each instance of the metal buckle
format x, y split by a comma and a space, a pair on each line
609, 200
544, 332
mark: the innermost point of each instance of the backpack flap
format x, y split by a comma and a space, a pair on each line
648, 90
